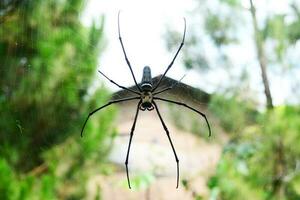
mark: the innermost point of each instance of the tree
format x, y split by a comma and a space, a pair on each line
260, 155
47, 62
261, 56
6, 7
222, 26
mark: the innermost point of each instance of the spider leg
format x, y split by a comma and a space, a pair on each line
130, 139
120, 86
170, 87
172, 62
187, 106
109, 103
168, 134
123, 48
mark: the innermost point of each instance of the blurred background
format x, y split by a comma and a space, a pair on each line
241, 60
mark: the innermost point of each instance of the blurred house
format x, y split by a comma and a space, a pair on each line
151, 156
181, 91
192, 96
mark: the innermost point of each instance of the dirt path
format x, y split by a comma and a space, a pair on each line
151, 153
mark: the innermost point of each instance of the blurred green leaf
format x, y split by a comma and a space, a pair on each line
141, 181
217, 27
233, 3
47, 62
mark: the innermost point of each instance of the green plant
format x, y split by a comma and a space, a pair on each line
262, 164
47, 62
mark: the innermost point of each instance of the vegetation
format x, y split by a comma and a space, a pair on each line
261, 159
47, 62
265, 154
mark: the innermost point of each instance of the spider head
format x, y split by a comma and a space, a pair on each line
146, 98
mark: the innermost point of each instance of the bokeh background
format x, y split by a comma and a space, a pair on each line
241, 60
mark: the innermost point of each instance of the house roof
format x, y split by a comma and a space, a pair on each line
181, 90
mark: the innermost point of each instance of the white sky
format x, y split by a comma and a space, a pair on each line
142, 26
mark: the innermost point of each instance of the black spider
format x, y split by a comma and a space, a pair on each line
147, 94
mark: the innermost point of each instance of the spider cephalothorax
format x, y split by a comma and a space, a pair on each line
146, 98
146, 95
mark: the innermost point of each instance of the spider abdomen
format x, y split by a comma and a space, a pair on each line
147, 79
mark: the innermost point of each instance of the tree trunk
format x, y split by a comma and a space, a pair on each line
279, 163
261, 57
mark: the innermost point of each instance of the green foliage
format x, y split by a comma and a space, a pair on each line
7, 180
191, 56
47, 62
188, 121
261, 161
294, 31
217, 27
47, 67
275, 29
233, 3
141, 181
14, 187
294, 27
262, 164
232, 114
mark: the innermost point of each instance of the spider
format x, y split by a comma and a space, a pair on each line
146, 95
